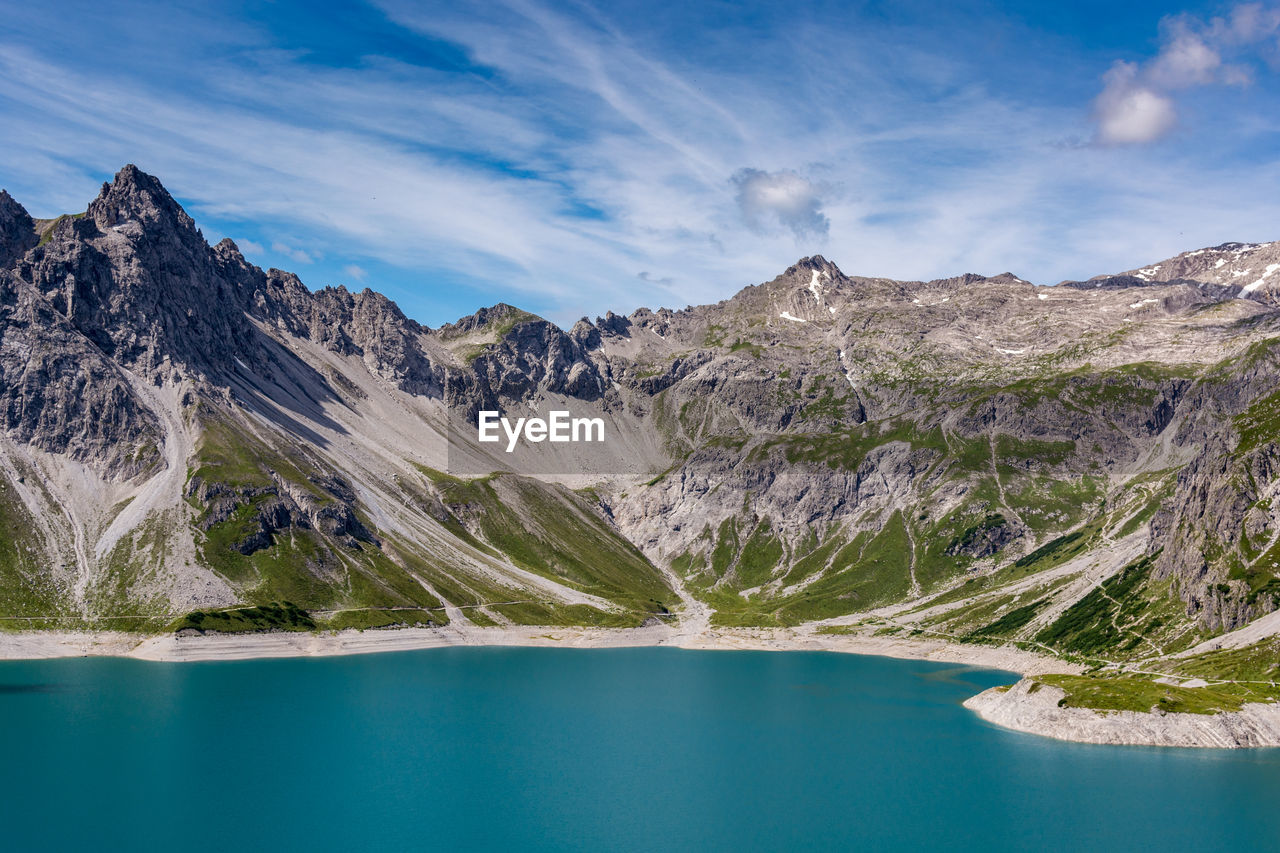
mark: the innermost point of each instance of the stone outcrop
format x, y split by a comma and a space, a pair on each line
1036, 711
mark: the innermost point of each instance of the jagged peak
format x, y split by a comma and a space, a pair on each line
11, 207
17, 230
814, 263
136, 195
499, 315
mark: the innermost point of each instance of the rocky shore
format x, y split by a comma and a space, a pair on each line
1036, 711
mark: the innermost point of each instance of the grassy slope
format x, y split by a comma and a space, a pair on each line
544, 529
556, 533
27, 592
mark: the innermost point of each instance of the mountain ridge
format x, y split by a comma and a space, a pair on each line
187, 433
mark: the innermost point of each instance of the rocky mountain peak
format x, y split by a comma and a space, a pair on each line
805, 269
1008, 278
1247, 270
497, 317
17, 230
136, 196
228, 250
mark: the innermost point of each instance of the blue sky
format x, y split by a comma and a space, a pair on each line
573, 158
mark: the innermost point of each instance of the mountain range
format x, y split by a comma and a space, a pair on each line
192, 443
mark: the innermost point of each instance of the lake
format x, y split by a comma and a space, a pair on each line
602, 749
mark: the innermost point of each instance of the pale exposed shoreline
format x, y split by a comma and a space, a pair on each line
1036, 711
215, 647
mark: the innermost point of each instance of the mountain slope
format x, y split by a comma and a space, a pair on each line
1086, 468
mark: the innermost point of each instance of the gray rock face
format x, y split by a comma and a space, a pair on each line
60, 393
1246, 270
17, 230
136, 279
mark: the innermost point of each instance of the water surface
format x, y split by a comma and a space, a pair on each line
559, 749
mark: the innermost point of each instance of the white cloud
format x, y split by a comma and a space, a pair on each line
1185, 60
249, 247
296, 255
355, 272
1137, 102
580, 154
1130, 112
771, 199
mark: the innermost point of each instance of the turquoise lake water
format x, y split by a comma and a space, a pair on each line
559, 749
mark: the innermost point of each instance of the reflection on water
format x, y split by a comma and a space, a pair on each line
30, 688
960, 676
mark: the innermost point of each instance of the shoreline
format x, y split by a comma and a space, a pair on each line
172, 648
1036, 711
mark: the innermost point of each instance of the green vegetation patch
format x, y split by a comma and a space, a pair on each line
369, 618
53, 226
870, 570
276, 616
554, 532
1138, 693
1011, 622
1103, 619
1259, 424
28, 594
1258, 662
1055, 551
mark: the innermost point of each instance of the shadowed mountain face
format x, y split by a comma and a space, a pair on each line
1090, 466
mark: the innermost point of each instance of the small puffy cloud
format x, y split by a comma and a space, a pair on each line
297, 255
355, 272
1137, 103
1129, 112
248, 247
1185, 60
769, 200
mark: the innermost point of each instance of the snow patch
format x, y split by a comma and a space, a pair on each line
786, 315
1010, 351
1142, 302
814, 287
847, 375
1271, 268
1042, 296
1219, 263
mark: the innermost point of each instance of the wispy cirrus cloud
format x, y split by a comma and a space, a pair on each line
574, 160
298, 256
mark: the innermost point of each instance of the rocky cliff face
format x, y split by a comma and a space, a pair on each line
184, 429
